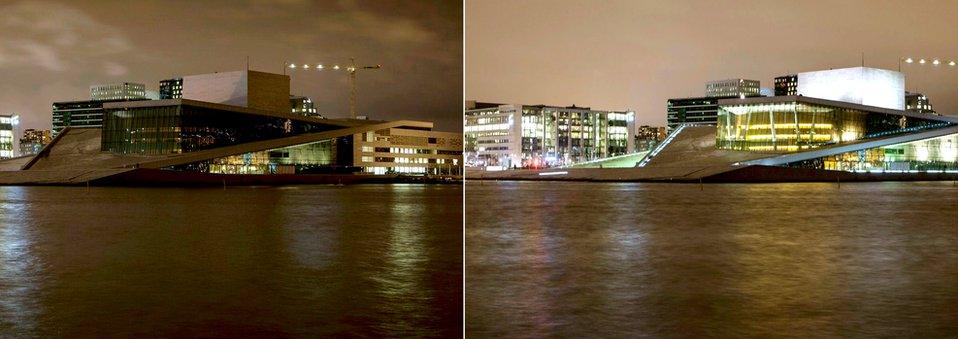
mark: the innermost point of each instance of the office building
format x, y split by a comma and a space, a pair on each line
732, 88
85, 113
918, 103
303, 106
171, 88
515, 135
786, 85
33, 140
118, 91
695, 111
7, 125
646, 137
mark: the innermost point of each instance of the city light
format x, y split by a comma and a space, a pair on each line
336, 67
319, 66
933, 62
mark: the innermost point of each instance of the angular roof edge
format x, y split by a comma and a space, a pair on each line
838, 149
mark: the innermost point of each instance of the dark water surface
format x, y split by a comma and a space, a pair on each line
366, 260
671, 260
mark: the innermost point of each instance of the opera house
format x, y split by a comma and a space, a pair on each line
235, 128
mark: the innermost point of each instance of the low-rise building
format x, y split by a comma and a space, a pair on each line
302, 105
733, 88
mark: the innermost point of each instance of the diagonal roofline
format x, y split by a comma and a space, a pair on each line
838, 149
237, 109
256, 146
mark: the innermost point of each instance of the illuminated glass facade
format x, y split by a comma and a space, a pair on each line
935, 154
88, 113
156, 130
314, 157
544, 136
794, 125
6, 136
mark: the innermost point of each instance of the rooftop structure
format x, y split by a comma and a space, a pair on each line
732, 88
858, 85
118, 91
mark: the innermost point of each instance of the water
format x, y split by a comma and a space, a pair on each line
364, 260
674, 260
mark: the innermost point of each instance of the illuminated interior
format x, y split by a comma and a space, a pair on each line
795, 126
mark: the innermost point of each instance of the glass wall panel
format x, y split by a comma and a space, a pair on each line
924, 155
182, 128
796, 126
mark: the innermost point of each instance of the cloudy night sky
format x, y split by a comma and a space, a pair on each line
637, 54
54, 50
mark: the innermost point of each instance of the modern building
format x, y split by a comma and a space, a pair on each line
7, 125
118, 91
786, 85
33, 140
302, 105
252, 89
516, 135
694, 111
171, 88
646, 137
919, 103
732, 88
859, 85
85, 113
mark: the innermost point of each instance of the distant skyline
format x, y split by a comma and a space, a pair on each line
55, 50
616, 55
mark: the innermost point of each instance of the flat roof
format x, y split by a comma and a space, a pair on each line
833, 103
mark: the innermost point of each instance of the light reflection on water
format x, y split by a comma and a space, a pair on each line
302, 261
615, 260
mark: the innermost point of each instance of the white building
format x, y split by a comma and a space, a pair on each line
857, 85
515, 135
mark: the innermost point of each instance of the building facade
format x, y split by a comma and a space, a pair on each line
118, 91
302, 105
918, 103
695, 111
33, 140
7, 124
514, 135
171, 88
646, 137
86, 113
796, 123
732, 88
786, 85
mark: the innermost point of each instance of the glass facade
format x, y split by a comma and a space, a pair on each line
795, 126
935, 154
314, 157
158, 130
6, 136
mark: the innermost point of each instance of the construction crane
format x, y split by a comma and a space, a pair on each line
351, 70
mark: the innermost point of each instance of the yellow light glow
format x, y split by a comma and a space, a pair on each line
849, 136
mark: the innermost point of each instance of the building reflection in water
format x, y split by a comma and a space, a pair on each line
20, 267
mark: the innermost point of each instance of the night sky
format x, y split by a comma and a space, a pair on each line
54, 50
637, 54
